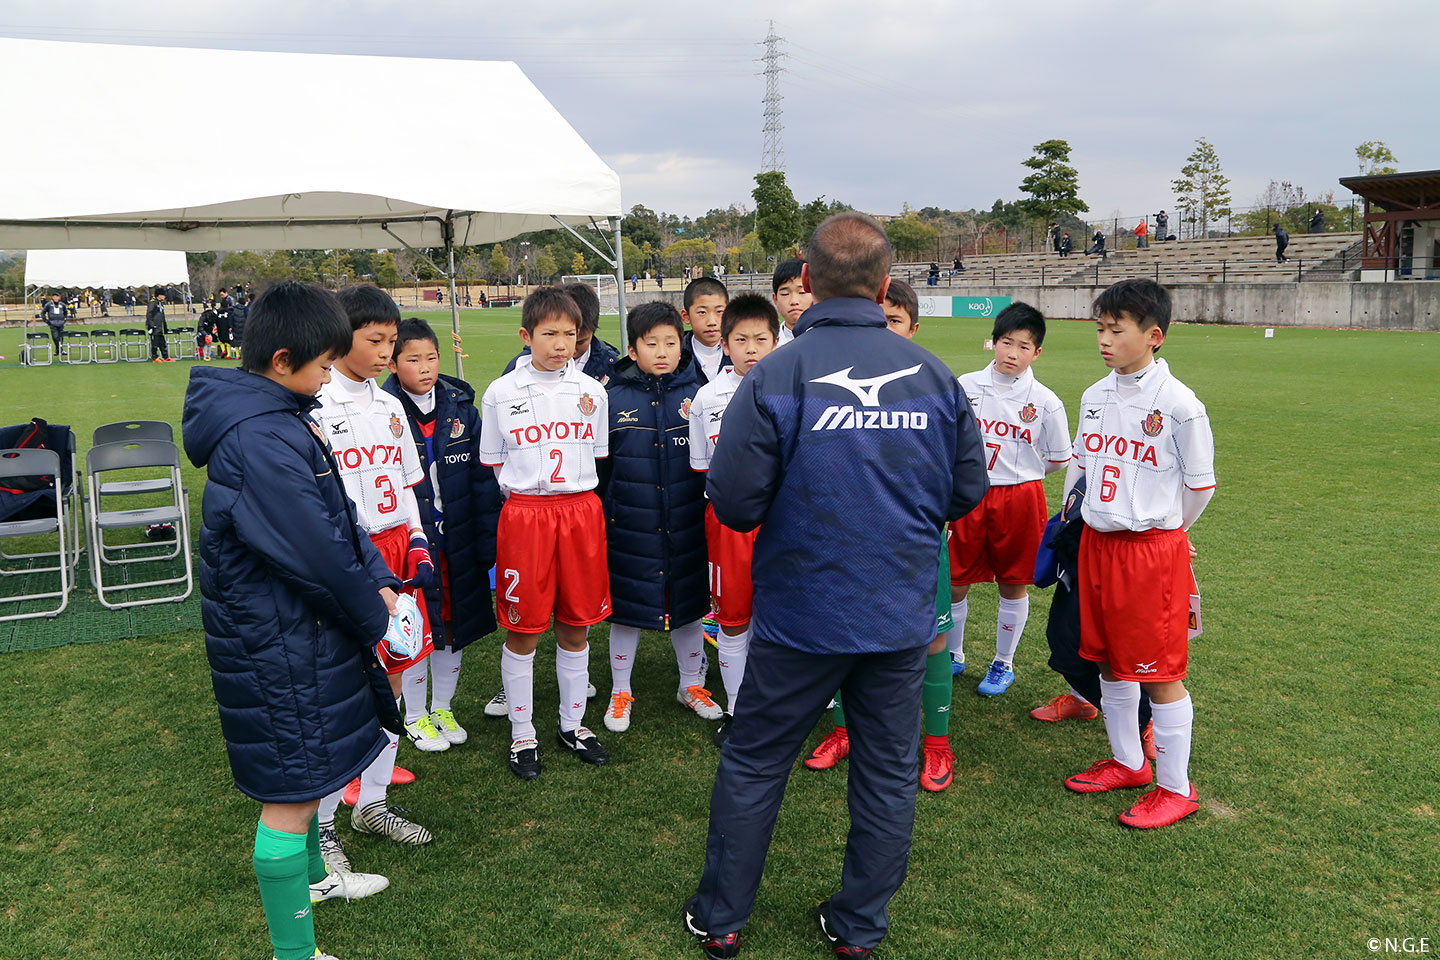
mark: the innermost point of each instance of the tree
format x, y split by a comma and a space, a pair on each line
1204, 191
241, 266
276, 267
1375, 158
777, 215
910, 236
577, 263
748, 254
690, 252
642, 226
499, 265
633, 256
811, 216
337, 269
387, 274
545, 265
1054, 187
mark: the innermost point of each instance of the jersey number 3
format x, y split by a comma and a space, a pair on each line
387, 502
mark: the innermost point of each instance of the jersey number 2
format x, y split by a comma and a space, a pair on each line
514, 577
387, 502
1108, 475
559, 458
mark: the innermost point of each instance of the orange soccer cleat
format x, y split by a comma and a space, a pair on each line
399, 777
1160, 808
1147, 741
937, 768
1109, 775
830, 751
1067, 706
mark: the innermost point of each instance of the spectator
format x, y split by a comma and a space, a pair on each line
105, 302
933, 278
1098, 245
1141, 230
1162, 227
1317, 221
1055, 236
52, 311
1066, 244
1282, 240
130, 301
958, 266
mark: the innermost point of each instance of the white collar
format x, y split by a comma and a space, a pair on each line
1153, 377
525, 372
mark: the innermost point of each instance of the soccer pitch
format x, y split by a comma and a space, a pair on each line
1314, 686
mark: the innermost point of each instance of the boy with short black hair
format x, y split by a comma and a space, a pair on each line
1026, 435
459, 503
790, 296
375, 453
704, 302
294, 597
543, 426
655, 511
1145, 448
595, 358
748, 329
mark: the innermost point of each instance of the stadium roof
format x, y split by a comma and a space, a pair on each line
1398, 191
105, 268
248, 150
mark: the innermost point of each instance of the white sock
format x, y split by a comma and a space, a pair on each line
572, 675
624, 642
1173, 724
414, 685
955, 639
689, 643
1120, 704
733, 651
328, 806
1008, 627
376, 778
1078, 696
444, 677
517, 676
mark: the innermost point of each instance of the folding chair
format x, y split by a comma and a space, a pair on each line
35, 345
104, 347
75, 346
60, 439
127, 430
37, 513
132, 455
182, 342
134, 345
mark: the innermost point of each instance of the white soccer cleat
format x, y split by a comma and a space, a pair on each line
345, 885
444, 721
332, 851
697, 698
379, 818
498, 706
425, 736
617, 717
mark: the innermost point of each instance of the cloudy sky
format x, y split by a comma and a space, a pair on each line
923, 102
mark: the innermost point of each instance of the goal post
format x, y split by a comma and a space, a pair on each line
605, 288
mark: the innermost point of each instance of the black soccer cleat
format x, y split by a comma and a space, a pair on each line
584, 745
720, 946
840, 947
525, 758
722, 733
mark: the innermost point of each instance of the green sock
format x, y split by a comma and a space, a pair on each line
935, 694
281, 866
839, 711
318, 870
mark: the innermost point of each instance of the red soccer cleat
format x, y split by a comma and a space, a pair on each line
937, 768
1109, 775
830, 751
1065, 707
1160, 808
400, 777
352, 793
1147, 741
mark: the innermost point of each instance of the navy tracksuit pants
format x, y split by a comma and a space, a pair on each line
784, 693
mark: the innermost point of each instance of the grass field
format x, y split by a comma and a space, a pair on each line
1317, 707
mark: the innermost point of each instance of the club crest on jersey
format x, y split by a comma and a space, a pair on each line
457, 429
1153, 424
685, 407
605, 379
586, 404
1027, 413
397, 429
319, 434
514, 615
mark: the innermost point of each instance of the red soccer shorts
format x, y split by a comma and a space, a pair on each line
998, 540
731, 589
550, 559
1135, 603
446, 614
393, 545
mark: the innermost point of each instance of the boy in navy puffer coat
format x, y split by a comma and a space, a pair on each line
655, 511
294, 598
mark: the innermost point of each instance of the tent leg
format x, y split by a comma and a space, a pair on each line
620, 287
454, 307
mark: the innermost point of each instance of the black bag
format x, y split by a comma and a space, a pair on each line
32, 437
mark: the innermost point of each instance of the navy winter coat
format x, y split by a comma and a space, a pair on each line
469, 506
654, 502
599, 365
849, 449
290, 589
687, 341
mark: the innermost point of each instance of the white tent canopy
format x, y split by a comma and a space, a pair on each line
105, 268
290, 151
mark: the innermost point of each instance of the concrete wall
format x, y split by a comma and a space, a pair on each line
1399, 305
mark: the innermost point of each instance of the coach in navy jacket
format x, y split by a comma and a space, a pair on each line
850, 449
290, 589
654, 501
470, 507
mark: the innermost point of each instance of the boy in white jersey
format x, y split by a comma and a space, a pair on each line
790, 296
1145, 448
1026, 436
748, 328
704, 305
370, 436
543, 425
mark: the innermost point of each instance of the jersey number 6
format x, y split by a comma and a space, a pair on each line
1108, 475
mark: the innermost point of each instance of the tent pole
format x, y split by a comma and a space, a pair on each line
454, 307
620, 287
